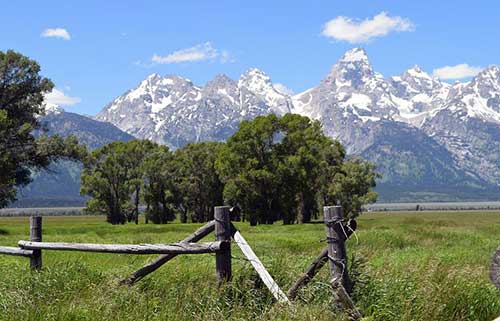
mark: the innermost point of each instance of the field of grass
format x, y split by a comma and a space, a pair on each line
407, 266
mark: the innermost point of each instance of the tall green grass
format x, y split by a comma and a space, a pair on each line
411, 266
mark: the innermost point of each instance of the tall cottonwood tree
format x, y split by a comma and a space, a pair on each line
200, 186
135, 152
286, 168
247, 165
22, 91
105, 179
161, 193
351, 186
272, 168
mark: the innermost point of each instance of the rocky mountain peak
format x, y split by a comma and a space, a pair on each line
254, 78
219, 81
489, 76
221, 86
257, 83
355, 55
417, 72
153, 77
352, 70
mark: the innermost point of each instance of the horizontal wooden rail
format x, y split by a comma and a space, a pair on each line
175, 248
8, 250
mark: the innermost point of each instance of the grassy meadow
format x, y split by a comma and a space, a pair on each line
407, 266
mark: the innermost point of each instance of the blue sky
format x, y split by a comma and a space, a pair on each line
96, 50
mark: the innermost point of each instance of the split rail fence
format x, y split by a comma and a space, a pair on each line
337, 232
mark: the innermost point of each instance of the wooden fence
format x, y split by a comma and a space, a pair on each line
337, 232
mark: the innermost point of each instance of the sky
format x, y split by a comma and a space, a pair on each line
94, 51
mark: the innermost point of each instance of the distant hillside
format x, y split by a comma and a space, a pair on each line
60, 185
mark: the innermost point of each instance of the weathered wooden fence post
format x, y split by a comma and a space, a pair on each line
495, 268
223, 233
337, 256
317, 264
336, 236
36, 236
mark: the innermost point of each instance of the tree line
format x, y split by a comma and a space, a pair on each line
272, 169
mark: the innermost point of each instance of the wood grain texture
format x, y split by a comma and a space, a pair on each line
337, 254
36, 236
223, 233
495, 268
176, 248
259, 267
8, 250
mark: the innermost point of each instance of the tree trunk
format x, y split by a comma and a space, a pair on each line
137, 198
183, 214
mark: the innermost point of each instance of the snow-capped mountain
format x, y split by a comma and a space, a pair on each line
468, 124
172, 110
417, 129
348, 100
353, 87
416, 94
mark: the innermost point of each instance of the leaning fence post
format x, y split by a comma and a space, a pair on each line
223, 233
36, 236
337, 255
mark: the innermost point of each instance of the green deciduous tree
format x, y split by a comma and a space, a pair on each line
286, 168
198, 180
247, 165
306, 156
22, 92
351, 186
134, 154
161, 192
105, 178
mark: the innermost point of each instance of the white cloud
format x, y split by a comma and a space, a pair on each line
56, 33
201, 52
456, 72
283, 89
356, 31
58, 97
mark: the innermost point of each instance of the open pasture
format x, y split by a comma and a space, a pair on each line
407, 266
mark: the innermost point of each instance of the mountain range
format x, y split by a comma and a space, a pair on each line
430, 140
